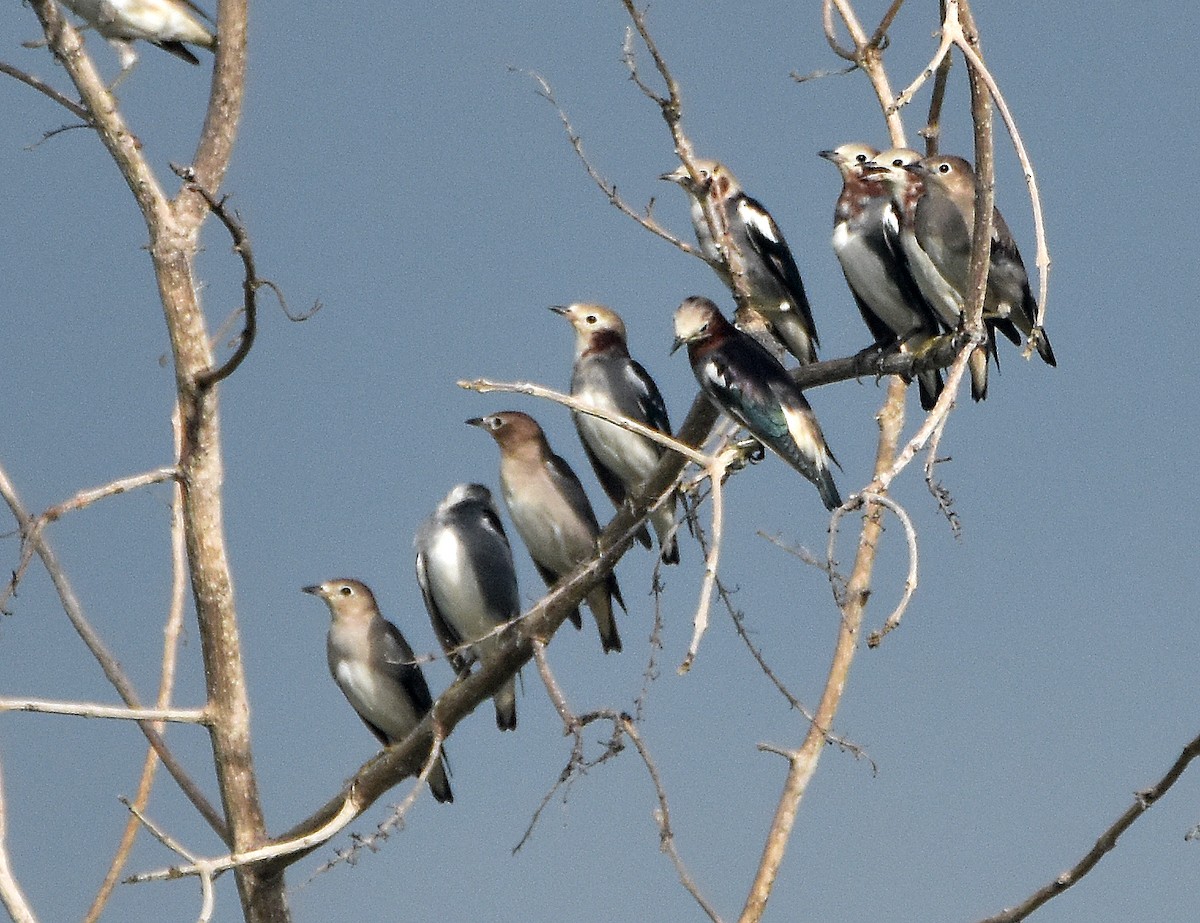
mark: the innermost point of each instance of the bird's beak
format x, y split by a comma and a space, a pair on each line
675, 176
560, 309
476, 421
315, 590
679, 341
828, 155
873, 169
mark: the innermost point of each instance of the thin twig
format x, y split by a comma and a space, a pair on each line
93, 710
213, 866
108, 663
11, 895
662, 817
171, 635
644, 218
1104, 844
206, 876
250, 280
81, 500
42, 87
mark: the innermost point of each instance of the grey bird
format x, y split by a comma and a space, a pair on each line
944, 223
743, 379
551, 512
933, 225
376, 670
888, 298
465, 570
775, 289
171, 25
605, 376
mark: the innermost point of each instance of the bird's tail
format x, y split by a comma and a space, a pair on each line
600, 602
505, 701
439, 783
930, 385
1041, 342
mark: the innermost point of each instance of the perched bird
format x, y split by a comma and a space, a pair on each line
376, 670
775, 289
606, 377
169, 24
742, 378
932, 224
551, 512
888, 298
945, 220
465, 570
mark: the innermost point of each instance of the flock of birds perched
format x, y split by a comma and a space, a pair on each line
903, 227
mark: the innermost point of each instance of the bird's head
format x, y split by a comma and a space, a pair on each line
696, 320
850, 158
595, 325
345, 597
712, 177
510, 428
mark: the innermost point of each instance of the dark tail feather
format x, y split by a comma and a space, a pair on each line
643, 537
828, 490
670, 551
180, 51
439, 784
575, 619
600, 602
1042, 342
930, 385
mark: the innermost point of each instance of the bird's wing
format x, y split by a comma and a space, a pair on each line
447, 637
399, 662
767, 240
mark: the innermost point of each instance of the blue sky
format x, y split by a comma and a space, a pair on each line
394, 168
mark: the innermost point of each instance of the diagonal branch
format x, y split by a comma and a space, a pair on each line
1106, 843
108, 663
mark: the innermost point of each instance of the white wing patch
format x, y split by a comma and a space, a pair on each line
806, 435
759, 220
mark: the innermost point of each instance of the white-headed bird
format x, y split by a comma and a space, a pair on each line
743, 379
888, 298
773, 283
376, 670
466, 574
606, 377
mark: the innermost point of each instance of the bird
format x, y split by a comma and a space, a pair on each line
743, 379
171, 25
605, 376
376, 670
551, 512
774, 288
932, 224
945, 222
466, 574
888, 298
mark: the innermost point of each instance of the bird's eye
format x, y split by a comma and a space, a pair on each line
898, 162
346, 591
944, 168
862, 158
592, 319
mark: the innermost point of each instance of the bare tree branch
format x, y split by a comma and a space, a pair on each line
42, 87
1106, 843
93, 710
108, 663
171, 634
